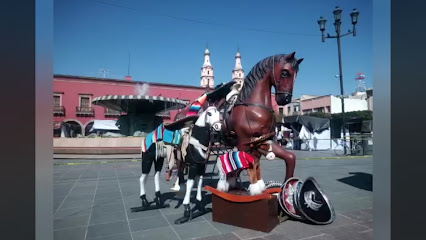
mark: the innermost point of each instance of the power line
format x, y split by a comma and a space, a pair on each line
208, 23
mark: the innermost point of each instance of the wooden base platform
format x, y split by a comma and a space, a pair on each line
237, 208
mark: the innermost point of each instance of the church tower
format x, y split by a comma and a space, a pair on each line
238, 72
207, 77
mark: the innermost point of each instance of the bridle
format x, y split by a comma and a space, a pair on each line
277, 84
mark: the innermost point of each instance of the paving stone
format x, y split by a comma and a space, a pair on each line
107, 229
165, 233
244, 233
69, 222
366, 223
276, 236
104, 208
340, 220
367, 235
324, 237
110, 200
76, 203
358, 215
195, 230
143, 214
81, 196
224, 228
352, 231
111, 195
72, 212
226, 236
106, 217
296, 230
107, 189
148, 223
172, 217
122, 236
77, 233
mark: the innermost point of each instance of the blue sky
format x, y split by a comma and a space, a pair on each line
166, 39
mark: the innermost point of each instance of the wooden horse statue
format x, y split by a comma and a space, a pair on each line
251, 123
197, 156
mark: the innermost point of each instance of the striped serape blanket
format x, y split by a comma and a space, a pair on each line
161, 134
236, 160
196, 105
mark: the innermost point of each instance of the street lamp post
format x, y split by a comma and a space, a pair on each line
337, 24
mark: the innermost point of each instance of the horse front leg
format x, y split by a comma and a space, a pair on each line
288, 157
255, 186
260, 181
146, 167
158, 167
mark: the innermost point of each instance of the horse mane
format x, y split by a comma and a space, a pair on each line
257, 73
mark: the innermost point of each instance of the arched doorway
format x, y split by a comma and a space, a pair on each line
88, 127
73, 128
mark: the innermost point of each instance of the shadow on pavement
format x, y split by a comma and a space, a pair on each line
359, 180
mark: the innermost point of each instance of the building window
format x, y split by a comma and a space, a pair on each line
328, 109
57, 100
85, 101
321, 109
208, 72
58, 109
281, 110
296, 109
288, 110
85, 105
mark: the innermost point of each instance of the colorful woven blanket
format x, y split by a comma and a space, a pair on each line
196, 105
236, 160
160, 133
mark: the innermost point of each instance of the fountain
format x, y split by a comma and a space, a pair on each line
142, 112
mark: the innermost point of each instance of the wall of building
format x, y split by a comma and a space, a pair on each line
70, 88
350, 105
317, 104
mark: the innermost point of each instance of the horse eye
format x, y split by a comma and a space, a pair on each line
209, 113
285, 73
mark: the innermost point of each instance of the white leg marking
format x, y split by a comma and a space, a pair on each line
254, 189
261, 185
157, 181
142, 181
189, 185
200, 185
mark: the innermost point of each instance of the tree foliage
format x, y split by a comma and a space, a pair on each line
365, 115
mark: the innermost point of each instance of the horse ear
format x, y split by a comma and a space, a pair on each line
299, 61
290, 56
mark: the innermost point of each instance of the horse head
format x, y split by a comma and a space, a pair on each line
284, 72
210, 117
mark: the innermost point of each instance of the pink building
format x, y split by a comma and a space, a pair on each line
73, 96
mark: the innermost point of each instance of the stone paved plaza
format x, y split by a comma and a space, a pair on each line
93, 201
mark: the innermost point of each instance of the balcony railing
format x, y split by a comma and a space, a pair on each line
58, 110
85, 111
111, 113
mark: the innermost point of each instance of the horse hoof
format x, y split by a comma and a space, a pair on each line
261, 185
254, 189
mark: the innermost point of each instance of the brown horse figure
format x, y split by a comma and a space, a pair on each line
250, 125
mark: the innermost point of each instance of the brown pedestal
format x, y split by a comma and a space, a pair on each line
260, 215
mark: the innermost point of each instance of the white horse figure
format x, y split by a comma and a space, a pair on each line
196, 158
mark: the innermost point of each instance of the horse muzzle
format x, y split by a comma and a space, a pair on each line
217, 126
283, 98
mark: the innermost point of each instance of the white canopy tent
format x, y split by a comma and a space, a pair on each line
107, 125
